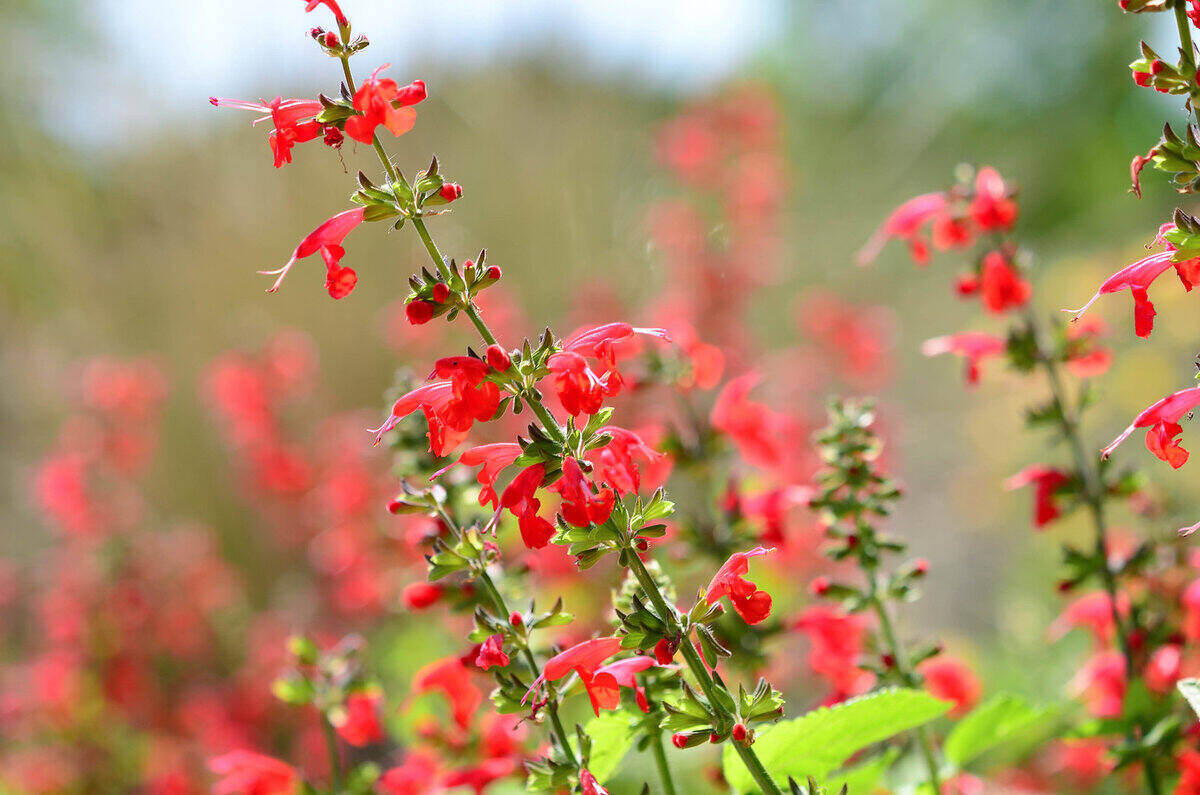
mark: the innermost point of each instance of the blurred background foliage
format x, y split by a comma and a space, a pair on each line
135, 216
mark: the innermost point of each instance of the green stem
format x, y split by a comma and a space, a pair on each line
660, 760
908, 676
1093, 485
700, 671
1189, 51
335, 759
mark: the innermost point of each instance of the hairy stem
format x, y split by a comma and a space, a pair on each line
700, 671
660, 760
908, 677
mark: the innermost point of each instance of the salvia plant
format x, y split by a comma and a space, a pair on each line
518, 461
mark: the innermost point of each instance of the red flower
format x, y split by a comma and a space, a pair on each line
492, 458
294, 121
601, 683
1139, 276
479, 777
579, 389
905, 223
1162, 418
519, 499
249, 773
491, 652
1164, 668
1190, 600
1000, 285
452, 678
750, 603
416, 775
581, 506
1102, 683
327, 239
758, 432
991, 209
451, 405
974, 346
1046, 482
420, 595
381, 101
614, 462
1088, 358
1189, 760
950, 679
837, 641
624, 672
1092, 612
451, 191
605, 342
332, 6
588, 785
360, 725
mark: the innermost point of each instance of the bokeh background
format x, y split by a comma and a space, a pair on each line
134, 216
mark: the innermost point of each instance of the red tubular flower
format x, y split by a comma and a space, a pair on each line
974, 346
479, 777
1000, 285
1139, 276
1046, 482
905, 223
248, 773
519, 499
332, 6
327, 239
451, 678
601, 683
451, 405
579, 389
836, 638
492, 458
416, 775
382, 102
1092, 612
614, 462
750, 603
491, 652
581, 506
624, 673
605, 343
992, 209
360, 725
1102, 683
293, 119
950, 679
757, 431
588, 785
1162, 419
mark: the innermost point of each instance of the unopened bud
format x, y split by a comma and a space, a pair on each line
419, 312
819, 586
394, 506
1156, 67
516, 620
420, 595
920, 567
739, 732
411, 94
441, 291
967, 284
714, 738
641, 545
451, 191
680, 741
494, 273
664, 651
497, 358
330, 40
888, 660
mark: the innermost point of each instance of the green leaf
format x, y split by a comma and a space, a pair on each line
1190, 690
996, 721
820, 741
612, 734
865, 777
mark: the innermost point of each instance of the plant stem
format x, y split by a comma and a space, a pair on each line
660, 759
700, 672
335, 759
1093, 489
909, 678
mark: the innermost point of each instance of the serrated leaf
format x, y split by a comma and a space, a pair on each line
992, 723
820, 741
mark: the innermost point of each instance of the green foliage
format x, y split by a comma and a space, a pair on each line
999, 720
819, 742
611, 735
1190, 690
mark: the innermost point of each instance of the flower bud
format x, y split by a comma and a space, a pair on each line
497, 359
642, 545
330, 40
468, 266
819, 586
317, 33
920, 567
411, 94
451, 191
333, 137
394, 506
516, 620
664, 651
739, 732
419, 312
420, 595
440, 292
679, 740
494, 273
714, 738
888, 660
1156, 66
967, 284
